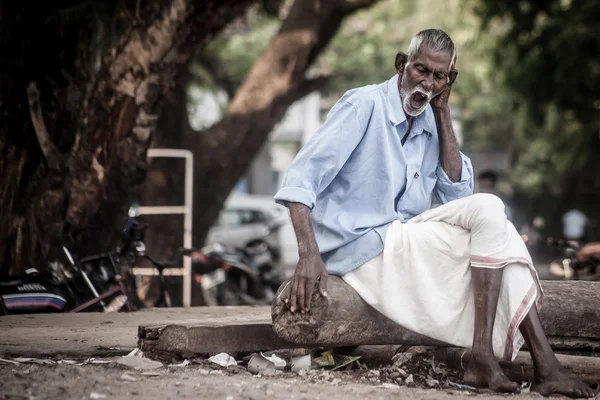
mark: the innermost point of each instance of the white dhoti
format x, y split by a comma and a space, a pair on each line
422, 279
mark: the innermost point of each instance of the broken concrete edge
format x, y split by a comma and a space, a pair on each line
186, 341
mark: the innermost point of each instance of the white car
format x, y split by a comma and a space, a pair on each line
249, 218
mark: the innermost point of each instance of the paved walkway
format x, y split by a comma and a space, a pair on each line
86, 334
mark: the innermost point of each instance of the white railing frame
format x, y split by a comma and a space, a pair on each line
186, 211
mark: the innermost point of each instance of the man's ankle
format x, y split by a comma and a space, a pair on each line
547, 368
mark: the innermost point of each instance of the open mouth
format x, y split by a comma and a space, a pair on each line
419, 99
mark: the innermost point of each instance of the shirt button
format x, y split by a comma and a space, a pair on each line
416, 175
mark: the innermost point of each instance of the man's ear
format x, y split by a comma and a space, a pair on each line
453, 72
452, 76
401, 59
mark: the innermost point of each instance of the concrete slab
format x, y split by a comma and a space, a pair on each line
248, 331
96, 334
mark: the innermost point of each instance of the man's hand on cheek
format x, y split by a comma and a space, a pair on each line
441, 100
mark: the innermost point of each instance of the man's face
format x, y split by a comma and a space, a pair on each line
425, 76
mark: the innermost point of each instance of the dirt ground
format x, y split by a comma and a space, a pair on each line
208, 381
192, 382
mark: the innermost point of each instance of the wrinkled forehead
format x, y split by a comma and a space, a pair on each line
434, 60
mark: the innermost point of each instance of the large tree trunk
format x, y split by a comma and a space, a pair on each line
277, 79
75, 167
570, 317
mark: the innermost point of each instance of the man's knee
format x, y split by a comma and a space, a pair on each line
486, 205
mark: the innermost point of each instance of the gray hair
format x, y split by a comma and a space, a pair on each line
434, 39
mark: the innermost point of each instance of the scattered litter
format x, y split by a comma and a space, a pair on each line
70, 362
279, 362
139, 363
95, 361
136, 360
259, 364
401, 358
185, 363
324, 360
349, 360
525, 387
461, 386
95, 395
409, 380
39, 361
301, 363
127, 377
135, 353
431, 382
11, 362
223, 359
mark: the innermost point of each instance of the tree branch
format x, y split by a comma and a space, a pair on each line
37, 118
308, 86
218, 71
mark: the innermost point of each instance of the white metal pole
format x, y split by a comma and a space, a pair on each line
187, 228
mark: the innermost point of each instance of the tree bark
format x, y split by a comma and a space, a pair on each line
277, 79
570, 317
100, 125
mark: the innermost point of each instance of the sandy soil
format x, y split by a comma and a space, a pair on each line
201, 381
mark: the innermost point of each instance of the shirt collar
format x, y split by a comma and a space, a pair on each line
396, 110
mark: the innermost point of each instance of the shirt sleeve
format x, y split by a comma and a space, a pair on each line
446, 190
324, 155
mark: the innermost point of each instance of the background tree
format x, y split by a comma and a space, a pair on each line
549, 60
79, 108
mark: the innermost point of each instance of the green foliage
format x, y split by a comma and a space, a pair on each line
550, 57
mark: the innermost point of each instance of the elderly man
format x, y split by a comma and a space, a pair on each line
360, 195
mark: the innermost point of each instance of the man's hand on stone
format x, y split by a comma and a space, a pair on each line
309, 271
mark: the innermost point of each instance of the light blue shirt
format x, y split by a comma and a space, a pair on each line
357, 178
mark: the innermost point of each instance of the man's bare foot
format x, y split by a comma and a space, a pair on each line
484, 371
561, 382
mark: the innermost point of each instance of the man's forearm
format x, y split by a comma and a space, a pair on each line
450, 159
300, 214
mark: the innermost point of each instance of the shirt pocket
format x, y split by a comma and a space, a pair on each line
418, 196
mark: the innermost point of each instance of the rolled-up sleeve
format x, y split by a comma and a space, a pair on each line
324, 155
446, 190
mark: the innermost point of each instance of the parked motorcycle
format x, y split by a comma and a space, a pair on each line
568, 266
251, 277
99, 283
105, 282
